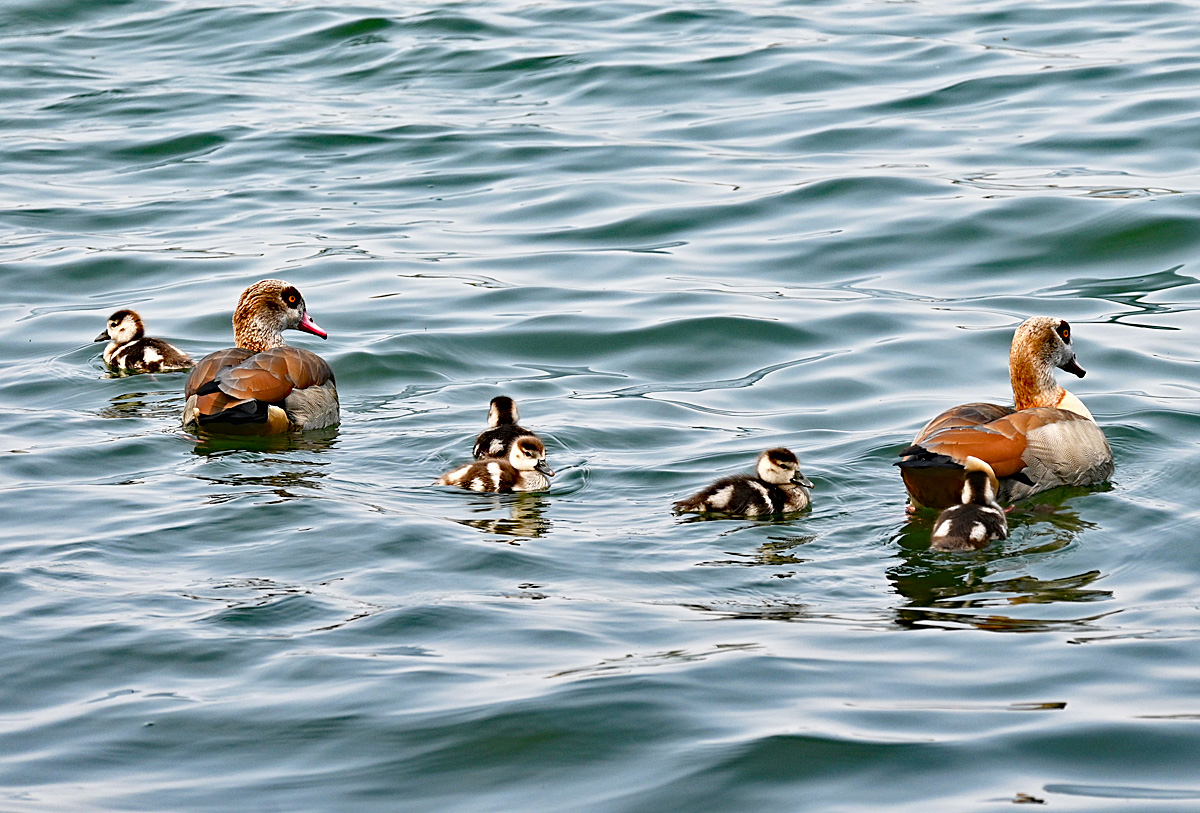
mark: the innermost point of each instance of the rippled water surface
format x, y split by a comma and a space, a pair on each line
676, 234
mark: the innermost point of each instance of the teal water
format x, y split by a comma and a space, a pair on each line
677, 235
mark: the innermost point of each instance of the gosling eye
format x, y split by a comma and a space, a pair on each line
1064, 331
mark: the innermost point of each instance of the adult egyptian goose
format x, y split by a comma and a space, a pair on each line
497, 439
978, 520
262, 386
524, 470
1049, 439
777, 487
128, 348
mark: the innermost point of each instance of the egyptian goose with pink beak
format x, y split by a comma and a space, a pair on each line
262, 386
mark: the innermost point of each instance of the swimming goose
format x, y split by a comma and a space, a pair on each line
777, 487
497, 439
978, 519
129, 349
524, 470
262, 386
1049, 439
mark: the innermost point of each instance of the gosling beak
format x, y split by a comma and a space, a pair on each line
103, 337
309, 326
1073, 368
800, 480
543, 468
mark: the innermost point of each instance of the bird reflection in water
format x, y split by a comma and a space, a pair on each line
958, 589
777, 551
781, 609
287, 476
526, 516
157, 406
628, 664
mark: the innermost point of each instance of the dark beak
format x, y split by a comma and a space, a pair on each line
1073, 368
103, 337
800, 480
543, 468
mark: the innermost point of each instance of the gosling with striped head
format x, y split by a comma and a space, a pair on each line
129, 350
979, 519
502, 431
524, 470
777, 487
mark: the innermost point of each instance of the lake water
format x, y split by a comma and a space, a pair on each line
677, 234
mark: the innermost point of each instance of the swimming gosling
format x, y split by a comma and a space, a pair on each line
524, 470
128, 348
778, 487
978, 520
497, 439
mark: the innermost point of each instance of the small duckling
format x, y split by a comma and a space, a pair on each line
979, 519
497, 439
128, 349
524, 470
778, 488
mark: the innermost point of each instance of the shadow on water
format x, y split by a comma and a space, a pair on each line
958, 589
116, 372
779, 550
284, 474
526, 516
776, 551
628, 664
158, 406
319, 440
764, 610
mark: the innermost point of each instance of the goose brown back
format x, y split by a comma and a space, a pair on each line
1047, 439
263, 386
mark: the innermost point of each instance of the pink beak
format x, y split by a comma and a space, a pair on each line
309, 326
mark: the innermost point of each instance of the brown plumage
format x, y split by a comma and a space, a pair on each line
1048, 439
263, 386
978, 519
128, 348
497, 439
776, 487
525, 469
